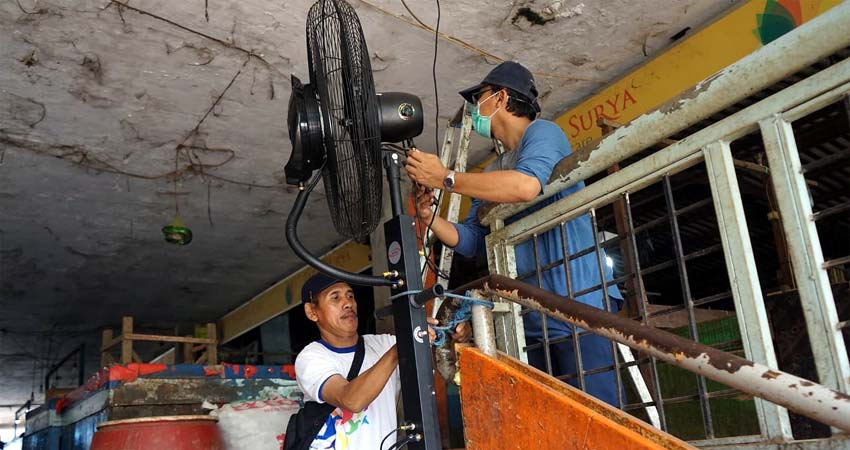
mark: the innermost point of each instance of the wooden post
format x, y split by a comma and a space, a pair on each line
188, 353
212, 349
106, 339
126, 344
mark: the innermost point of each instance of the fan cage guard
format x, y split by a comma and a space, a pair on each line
341, 71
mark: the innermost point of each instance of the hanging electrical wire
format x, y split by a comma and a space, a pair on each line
426, 248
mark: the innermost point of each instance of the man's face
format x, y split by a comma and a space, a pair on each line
335, 310
487, 102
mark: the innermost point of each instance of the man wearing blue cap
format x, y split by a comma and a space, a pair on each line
366, 404
504, 106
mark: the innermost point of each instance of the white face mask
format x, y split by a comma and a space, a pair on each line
482, 123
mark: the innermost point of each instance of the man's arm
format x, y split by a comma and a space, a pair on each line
357, 394
442, 228
502, 186
499, 186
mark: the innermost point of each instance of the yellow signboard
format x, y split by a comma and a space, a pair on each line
708, 51
286, 294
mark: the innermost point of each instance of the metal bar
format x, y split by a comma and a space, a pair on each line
80, 352
674, 158
453, 214
454, 198
686, 258
543, 321
640, 384
831, 211
643, 306
602, 369
569, 281
649, 270
510, 335
744, 279
700, 302
798, 49
799, 395
836, 262
826, 161
607, 303
157, 338
689, 302
816, 103
806, 254
482, 327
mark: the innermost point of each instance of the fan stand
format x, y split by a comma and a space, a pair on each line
414, 348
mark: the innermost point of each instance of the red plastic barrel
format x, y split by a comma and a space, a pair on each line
160, 433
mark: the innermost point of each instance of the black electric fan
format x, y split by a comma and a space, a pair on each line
338, 127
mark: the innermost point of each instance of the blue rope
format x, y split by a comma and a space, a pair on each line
463, 314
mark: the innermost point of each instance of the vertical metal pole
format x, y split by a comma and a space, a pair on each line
743, 279
569, 280
393, 178
414, 350
642, 306
544, 320
607, 299
445, 156
482, 326
689, 302
795, 209
510, 330
453, 212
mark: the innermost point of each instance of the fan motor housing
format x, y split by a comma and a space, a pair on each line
305, 134
400, 115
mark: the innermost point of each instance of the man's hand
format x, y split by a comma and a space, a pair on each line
463, 332
432, 335
425, 169
424, 201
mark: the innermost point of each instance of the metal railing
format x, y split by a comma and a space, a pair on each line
706, 153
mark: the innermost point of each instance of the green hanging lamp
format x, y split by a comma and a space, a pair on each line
177, 232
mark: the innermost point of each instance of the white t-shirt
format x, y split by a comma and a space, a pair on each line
345, 430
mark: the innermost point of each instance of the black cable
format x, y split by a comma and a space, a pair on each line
401, 443
395, 148
381, 447
299, 249
425, 249
436, 91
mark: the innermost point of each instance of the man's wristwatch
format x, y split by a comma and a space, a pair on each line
449, 181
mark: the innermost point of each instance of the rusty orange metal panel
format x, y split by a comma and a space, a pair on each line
510, 405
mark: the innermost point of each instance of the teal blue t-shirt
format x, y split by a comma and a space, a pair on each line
542, 146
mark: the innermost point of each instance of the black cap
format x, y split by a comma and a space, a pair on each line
316, 284
511, 75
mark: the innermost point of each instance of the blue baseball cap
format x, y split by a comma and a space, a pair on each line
508, 74
316, 284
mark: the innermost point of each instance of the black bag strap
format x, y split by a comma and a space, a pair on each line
359, 354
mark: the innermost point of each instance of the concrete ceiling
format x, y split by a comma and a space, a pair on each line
109, 114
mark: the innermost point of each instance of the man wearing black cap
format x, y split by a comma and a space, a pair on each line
366, 405
504, 106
